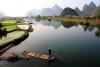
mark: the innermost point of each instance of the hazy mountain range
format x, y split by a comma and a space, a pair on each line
55, 10
80, 13
33, 12
88, 10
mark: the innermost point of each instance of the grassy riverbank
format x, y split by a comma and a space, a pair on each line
79, 20
9, 28
12, 32
11, 37
11, 24
84, 21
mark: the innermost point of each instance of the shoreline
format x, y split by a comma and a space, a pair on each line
23, 34
24, 28
8, 42
13, 42
77, 20
82, 21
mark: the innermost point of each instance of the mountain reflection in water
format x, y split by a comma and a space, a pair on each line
79, 45
57, 24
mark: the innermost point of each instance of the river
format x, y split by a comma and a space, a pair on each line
76, 45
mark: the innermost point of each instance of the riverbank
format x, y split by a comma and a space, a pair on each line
83, 21
13, 33
13, 36
78, 20
13, 42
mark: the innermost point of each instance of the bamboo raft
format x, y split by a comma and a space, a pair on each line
19, 58
45, 57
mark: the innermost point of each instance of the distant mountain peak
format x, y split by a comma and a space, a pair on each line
80, 13
68, 11
56, 7
89, 8
77, 9
92, 5
85, 6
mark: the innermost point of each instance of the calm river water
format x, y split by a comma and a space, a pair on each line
76, 45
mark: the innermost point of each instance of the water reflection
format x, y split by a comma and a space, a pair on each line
3, 49
57, 24
54, 24
90, 28
76, 25
69, 41
68, 24
97, 33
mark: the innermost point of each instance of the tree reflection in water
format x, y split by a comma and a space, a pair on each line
90, 28
97, 33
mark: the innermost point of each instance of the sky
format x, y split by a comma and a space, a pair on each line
21, 7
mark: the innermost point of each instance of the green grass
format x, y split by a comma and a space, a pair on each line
10, 25
9, 22
9, 28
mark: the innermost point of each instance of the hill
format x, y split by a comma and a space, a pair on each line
47, 12
33, 12
89, 8
55, 10
68, 12
80, 13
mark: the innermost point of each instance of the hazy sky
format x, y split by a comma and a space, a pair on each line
21, 7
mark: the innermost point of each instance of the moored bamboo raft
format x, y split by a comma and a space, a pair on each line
11, 59
45, 57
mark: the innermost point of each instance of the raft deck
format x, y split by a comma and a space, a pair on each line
45, 57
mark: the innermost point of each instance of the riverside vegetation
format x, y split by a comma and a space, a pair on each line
9, 28
89, 16
92, 21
